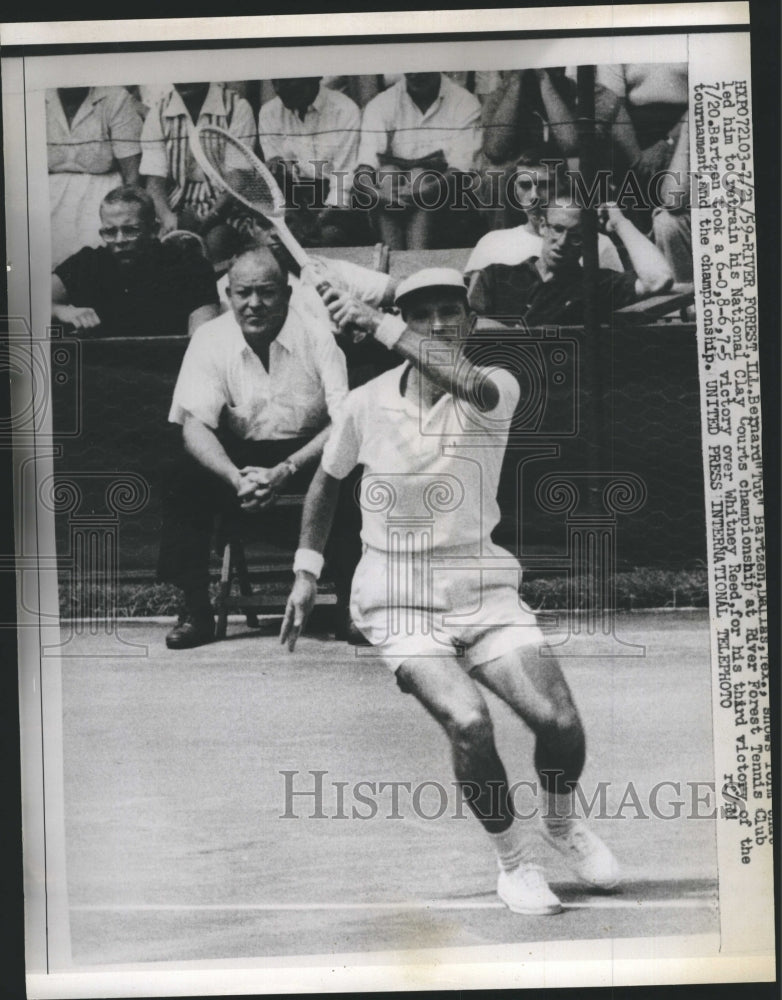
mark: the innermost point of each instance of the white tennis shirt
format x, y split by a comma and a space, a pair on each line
305, 385
428, 472
512, 246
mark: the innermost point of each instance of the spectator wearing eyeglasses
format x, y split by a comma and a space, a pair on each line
533, 185
549, 288
133, 285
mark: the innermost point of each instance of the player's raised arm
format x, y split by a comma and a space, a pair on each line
433, 303
317, 518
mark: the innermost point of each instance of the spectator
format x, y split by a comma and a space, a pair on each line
513, 118
92, 146
309, 133
513, 124
360, 89
373, 287
365, 359
535, 106
414, 137
184, 198
671, 221
559, 96
309, 138
533, 181
133, 285
255, 394
549, 289
656, 98
656, 134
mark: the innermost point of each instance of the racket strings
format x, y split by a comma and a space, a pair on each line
248, 185
239, 170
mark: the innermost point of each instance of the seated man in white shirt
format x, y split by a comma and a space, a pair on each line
376, 288
414, 137
256, 392
533, 183
364, 357
435, 596
309, 137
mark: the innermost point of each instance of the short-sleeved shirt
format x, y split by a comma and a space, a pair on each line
327, 134
106, 128
394, 124
432, 470
512, 246
304, 387
519, 292
165, 138
153, 297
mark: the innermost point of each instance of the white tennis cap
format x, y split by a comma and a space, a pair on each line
430, 277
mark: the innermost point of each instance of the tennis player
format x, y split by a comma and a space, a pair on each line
432, 593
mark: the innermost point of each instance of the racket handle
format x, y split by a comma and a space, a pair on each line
354, 332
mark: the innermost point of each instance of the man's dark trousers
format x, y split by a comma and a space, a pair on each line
194, 496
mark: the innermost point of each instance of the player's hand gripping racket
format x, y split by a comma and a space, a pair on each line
231, 165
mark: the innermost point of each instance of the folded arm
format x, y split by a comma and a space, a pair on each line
653, 272
81, 317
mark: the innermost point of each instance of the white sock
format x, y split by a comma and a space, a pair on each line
559, 814
513, 846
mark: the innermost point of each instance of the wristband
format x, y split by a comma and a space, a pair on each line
389, 330
290, 464
308, 560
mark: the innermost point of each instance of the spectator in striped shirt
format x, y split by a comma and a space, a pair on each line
184, 198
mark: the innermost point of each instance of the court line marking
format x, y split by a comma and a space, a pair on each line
437, 904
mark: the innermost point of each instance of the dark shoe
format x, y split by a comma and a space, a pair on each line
191, 630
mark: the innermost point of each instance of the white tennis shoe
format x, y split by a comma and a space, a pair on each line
586, 854
525, 890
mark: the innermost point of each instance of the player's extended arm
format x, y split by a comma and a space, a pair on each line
316, 520
312, 450
460, 377
653, 272
457, 375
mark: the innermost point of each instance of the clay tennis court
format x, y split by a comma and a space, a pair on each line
177, 849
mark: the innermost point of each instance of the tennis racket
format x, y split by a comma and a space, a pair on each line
232, 166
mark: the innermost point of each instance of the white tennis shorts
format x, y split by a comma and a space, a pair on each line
448, 603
